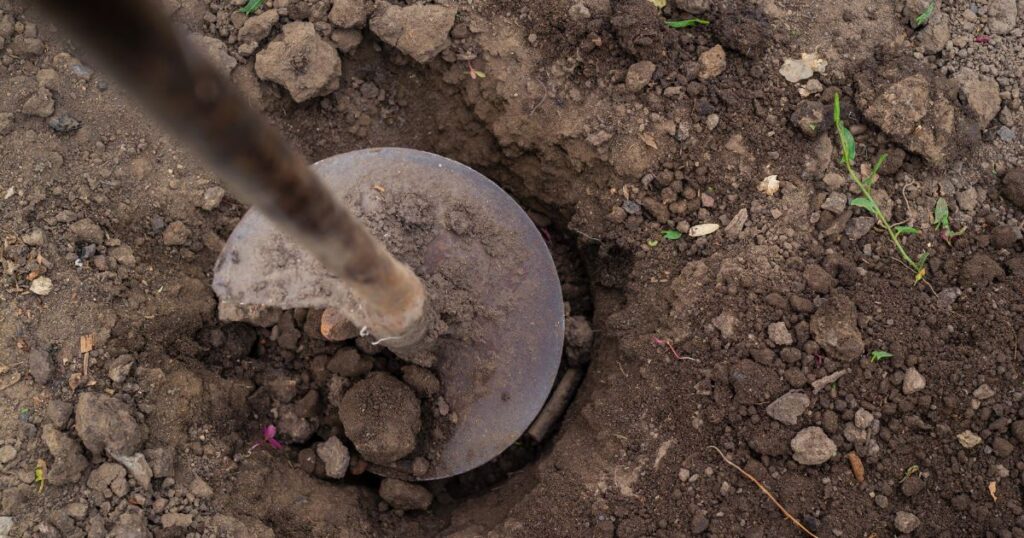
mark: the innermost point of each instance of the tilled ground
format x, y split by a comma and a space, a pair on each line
144, 411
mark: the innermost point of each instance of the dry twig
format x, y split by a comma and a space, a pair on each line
766, 492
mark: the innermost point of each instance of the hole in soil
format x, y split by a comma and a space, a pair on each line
300, 379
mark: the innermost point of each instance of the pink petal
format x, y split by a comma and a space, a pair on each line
269, 432
275, 443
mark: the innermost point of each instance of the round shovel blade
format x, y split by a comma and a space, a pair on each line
497, 375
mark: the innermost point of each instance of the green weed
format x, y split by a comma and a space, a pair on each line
878, 356
925, 15
940, 218
671, 235
251, 6
687, 23
867, 202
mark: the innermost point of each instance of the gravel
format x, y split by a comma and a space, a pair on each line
812, 446
906, 522
913, 381
788, 407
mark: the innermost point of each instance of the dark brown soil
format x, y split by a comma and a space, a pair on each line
693, 339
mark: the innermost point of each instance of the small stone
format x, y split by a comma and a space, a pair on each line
834, 326
419, 30
138, 467
699, 523
794, 70
335, 457
912, 486
984, 392
834, 181
1005, 134
347, 40
212, 198
76, 511
1002, 447
39, 365
1002, 16
913, 381
200, 488
6, 525
349, 14
579, 12
811, 446
176, 234
639, 75
981, 95
108, 480
779, 334
39, 104
1013, 187
863, 418
906, 522
968, 439
405, 496
808, 117
172, 520
87, 231
63, 123
712, 63
257, 28
348, 362
41, 286
7, 453
788, 408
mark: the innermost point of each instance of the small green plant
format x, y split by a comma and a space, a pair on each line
687, 23
878, 356
671, 235
925, 15
940, 218
251, 6
867, 202
40, 474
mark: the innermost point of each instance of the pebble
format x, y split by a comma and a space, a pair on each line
779, 334
699, 523
863, 418
41, 286
419, 30
639, 75
812, 446
299, 44
788, 407
984, 392
405, 496
712, 62
175, 520
176, 234
212, 198
63, 123
7, 453
968, 439
1006, 134
6, 525
913, 381
335, 456
906, 522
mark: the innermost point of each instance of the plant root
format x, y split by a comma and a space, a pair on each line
766, 492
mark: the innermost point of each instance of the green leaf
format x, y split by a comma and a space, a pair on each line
921, 260
671, 235
879, 355
251, 6
687, 23
836, 116
940, 215
849, 145
925, 15
907, 230
865, 203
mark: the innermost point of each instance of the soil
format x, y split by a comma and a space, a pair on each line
144, 408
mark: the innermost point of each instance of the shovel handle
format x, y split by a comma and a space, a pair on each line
138, 43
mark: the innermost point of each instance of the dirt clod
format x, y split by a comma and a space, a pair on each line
105, 424
381, 416
302, 62
834, 327
405, 496
419, 30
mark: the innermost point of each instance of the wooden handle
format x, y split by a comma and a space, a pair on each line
140, 46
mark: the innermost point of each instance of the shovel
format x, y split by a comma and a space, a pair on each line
301, 246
